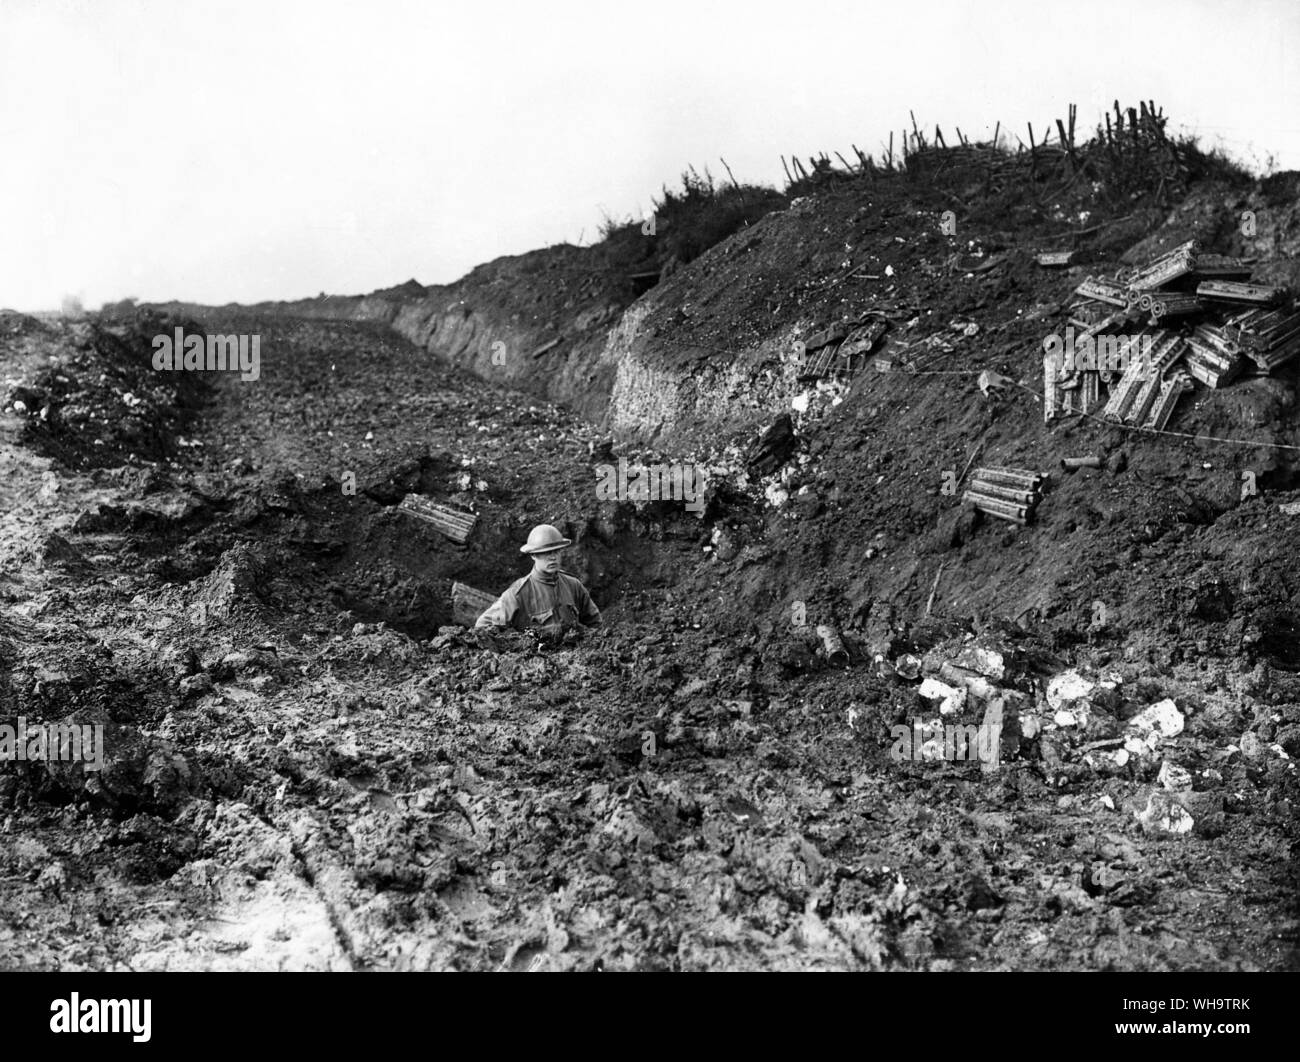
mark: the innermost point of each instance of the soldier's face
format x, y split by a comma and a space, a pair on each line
547, 563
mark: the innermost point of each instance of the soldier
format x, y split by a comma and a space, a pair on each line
547, 600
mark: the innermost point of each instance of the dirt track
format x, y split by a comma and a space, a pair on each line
309, 769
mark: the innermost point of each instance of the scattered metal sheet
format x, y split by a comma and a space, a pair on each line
453, 523
1163, 408
1215, 337
1143, 400
848, 358
1051, 393
1003, 510
1054, 258
1121, 398
1021, 478
1221, 265
1239, 291
1211, 366
1091, 391
1276, 355
1102, 290
1172, 304
830, 334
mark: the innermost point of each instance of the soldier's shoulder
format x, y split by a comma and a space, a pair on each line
571, 579
513, 588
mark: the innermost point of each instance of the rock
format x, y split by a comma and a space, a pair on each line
951, 699
1163, 814
908, 666
194, 685
1162, 719
985, 662
1251, 746
1067, 687
1174, 778
57, 552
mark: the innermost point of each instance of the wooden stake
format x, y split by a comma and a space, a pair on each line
934, 587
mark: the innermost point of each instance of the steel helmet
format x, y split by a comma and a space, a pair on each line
544, 539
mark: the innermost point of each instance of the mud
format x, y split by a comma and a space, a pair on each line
308, 767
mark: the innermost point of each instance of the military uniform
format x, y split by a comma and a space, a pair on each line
548, 606
547, 601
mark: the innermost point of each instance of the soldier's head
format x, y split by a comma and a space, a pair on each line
545, 545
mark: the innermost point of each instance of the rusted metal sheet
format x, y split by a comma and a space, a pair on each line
1091, 391
1103, 290
1163, 407
831, 334
1054, 258
1221, 265
1161, 272
1003, 510
1165, 353
1121, 398
1215, 337
1051, 393
453, 523
467, 604
1239, 291
1143, 400
1276, 355
1173, 304
1260, 329
1010, 494
862, 339
1210, 365
1019, 478
848, 358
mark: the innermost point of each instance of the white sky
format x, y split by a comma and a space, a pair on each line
275, 149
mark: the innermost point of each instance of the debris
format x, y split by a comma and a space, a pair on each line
1007, 493
1159, 720
1146, 392
1066, 688
1239, 291
1174, 778
992, 381
1054, 258
453, 523
773, 447
467, 604
1290, 509
1163, 814
908, 666
544, 348
1072, 463
832, 644
952, 699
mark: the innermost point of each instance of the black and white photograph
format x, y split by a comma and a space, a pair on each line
573, 488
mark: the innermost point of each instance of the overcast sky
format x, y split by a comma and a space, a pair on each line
272, 149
